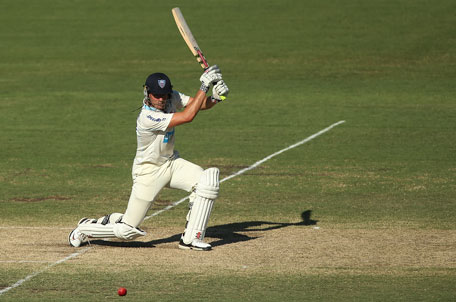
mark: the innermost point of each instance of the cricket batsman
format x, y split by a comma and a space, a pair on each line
157, 164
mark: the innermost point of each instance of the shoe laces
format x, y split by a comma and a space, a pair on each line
81, 236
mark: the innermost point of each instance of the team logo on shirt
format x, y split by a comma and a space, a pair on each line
153, 119
168, 135
162, 83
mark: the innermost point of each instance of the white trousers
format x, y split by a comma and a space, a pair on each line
149, 180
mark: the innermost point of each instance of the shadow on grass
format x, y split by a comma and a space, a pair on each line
226, 233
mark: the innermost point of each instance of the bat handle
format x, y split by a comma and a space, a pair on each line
203, 59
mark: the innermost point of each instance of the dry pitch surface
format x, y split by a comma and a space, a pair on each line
260, 249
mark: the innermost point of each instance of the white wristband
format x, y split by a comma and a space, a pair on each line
204, 88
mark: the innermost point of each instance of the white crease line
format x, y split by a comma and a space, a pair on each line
25, 261
307, 139
19, 283
33, 228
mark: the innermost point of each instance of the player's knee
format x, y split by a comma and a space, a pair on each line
208, 185
126, 232
110, 218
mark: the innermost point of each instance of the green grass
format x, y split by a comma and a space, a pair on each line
146, 285
71, 76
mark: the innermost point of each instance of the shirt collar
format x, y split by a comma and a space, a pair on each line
151, 108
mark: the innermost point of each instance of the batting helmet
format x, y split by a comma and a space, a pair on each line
158, 83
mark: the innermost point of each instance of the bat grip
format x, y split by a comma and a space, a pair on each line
203, 59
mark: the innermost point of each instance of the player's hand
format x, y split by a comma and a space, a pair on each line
220, 91
210, 75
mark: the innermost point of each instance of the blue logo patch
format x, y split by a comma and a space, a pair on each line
168, 135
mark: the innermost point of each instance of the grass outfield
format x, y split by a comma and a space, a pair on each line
364, 212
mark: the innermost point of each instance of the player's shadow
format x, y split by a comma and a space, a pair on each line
226, 233
231, 233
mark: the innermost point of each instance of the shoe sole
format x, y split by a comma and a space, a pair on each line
191, 247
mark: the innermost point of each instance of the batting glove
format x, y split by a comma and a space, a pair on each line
219, 91
210, 75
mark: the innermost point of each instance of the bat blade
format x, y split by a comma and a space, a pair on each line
188, 37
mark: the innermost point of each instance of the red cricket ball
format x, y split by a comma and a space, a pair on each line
122, 291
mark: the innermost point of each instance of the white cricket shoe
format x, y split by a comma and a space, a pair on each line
196, 245
76, 238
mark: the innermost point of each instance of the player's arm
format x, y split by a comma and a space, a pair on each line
190, 111
212, 74
208, 103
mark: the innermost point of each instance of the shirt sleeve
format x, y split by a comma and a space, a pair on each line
154, 121
179, 99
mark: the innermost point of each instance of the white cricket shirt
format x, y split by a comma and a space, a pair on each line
155, 139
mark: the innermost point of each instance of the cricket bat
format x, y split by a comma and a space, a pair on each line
190, 40
188, 37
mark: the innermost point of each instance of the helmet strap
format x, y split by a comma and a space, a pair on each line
146, 94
